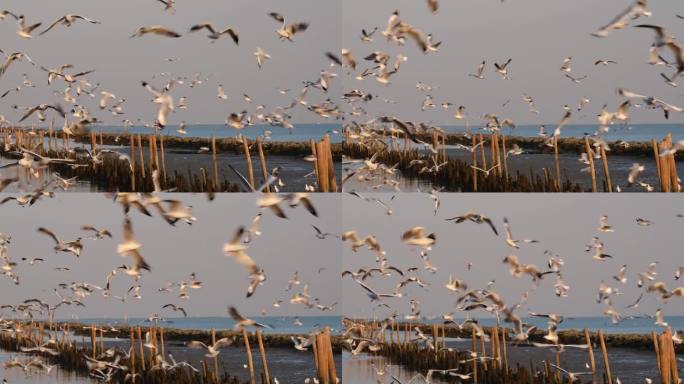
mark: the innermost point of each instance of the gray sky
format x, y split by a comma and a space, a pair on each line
562, 224
284, 247
537, 35
122, 63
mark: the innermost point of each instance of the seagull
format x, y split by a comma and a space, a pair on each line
475, 218
68, 20
212, 350
287, 31
636, 10
165, 102
98, 234
75, 246
509, 236
25, 30
480, 71
604, 226
604, 62
367, 37
321, 235
261, 56
11, 58
237, 249
241, 321
131, 248
502, 69
176, 309
215, 35
156, 30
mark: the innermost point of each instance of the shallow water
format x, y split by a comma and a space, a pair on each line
630, 366
280, 325
571, 168
629, 132
18, 376
301, 132
295, 172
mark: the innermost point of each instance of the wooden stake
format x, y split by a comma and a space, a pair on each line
142, 159
589, 151
248, 157
557, 163
592, 360
606, 170
250, 362
215, 161
474, 161
132, 158
262, 351
262, 160
656, 155
606, 361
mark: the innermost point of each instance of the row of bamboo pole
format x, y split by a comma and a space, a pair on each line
324, 165
498, 348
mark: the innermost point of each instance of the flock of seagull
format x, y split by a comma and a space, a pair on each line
418, 281
56, 303
81, 103
366, 129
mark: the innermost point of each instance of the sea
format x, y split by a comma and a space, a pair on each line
300, 133
279, 325
627, 132
640, 325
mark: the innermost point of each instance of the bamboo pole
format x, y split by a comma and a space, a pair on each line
132, 158
606, 361
482, 151
589, 151
592, 360
215, 162
672, 357
664, 360
674, 180
163, 158
606, 170
474, 344
435, 145
331, 164
474, 161
131, 358
250, 362
656, 155
142, 159
435, 337
505, 350
656, 344
331, 360
248, 157
505, 156
93, 341
322, 168
262, 351
557, 163
316, 167
323, 365
213, 341
262, 160
142, 350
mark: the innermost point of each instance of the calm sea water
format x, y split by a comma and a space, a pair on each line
638, 325
629, 132
301, 132
280, 325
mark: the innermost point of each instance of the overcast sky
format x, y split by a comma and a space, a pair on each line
122, 63
537, 35
562, 224
284, 247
